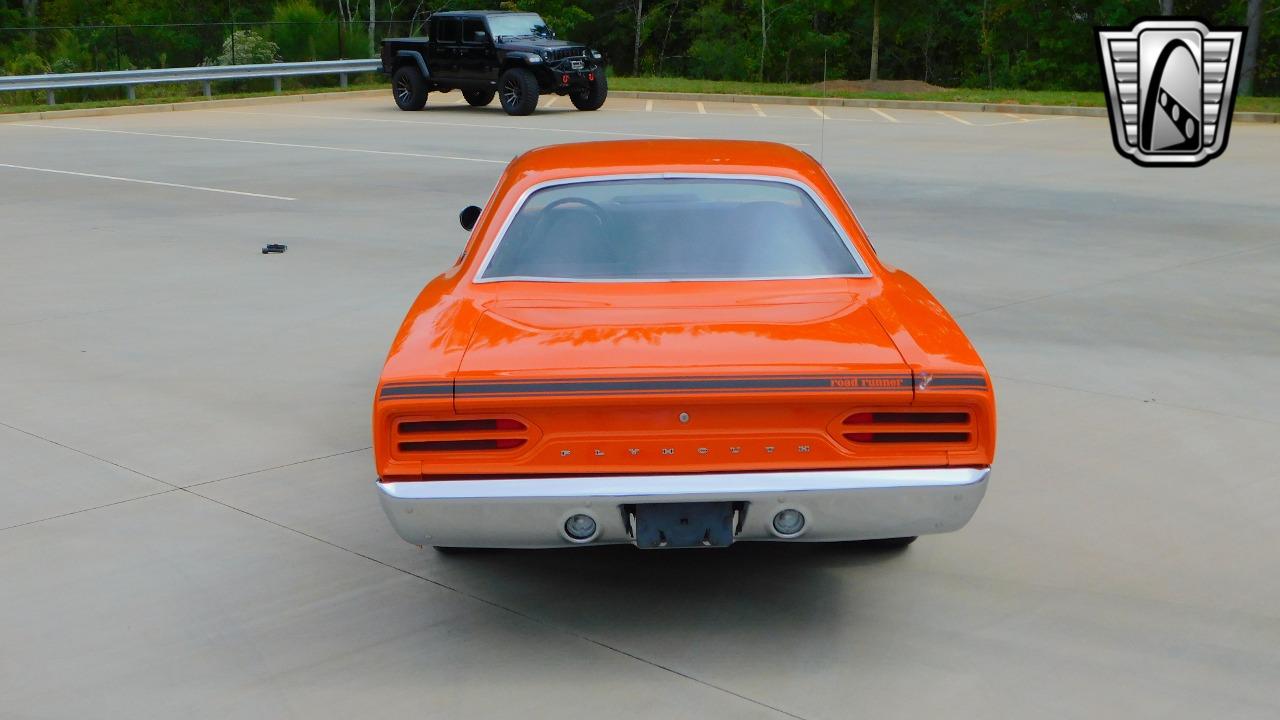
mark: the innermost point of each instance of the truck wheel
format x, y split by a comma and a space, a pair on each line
478, 98
593, 97
409, 88
518, 91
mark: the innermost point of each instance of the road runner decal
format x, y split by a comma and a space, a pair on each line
662, 385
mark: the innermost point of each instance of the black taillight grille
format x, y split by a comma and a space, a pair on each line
461, 435
431, 426
462, 445
892, 427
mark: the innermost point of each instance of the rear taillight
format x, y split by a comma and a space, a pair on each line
462, 435
461, 445
455, 426
908, 427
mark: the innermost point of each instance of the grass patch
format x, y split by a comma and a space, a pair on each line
1018, 97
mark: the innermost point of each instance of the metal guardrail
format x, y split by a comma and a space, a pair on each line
205, 74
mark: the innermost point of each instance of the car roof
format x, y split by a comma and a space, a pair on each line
651, 156
487, 13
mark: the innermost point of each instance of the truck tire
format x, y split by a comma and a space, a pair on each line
593, 97
518, 91
409, 88
478, 98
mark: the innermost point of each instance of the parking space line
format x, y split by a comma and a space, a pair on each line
261, 142
702, 109
535, 128
1028, 121
648, 107
946, 114
818, 111
884, 115
1019, 118
552, 101
147, 182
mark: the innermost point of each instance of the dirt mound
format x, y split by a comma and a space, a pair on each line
907, 87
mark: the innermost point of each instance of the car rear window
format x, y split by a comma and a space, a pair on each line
670, 229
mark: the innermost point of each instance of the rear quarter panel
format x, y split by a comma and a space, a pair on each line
933, 345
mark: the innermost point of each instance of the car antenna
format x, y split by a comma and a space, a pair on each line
822, 114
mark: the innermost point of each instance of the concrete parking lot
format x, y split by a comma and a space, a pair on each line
189, 527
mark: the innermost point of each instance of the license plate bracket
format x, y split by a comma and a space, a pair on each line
575, 65
684, 525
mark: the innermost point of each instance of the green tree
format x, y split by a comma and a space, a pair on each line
1034, 44
722, 48
303, 32
563, 17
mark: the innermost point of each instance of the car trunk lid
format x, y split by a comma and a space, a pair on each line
539, 353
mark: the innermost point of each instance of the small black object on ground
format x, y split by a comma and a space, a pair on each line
274, 248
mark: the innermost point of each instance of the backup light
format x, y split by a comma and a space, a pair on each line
788, 522
580, 527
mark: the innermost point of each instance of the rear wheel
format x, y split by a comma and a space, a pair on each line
409, 88
478, 98
518, 91
897, 543
593, 96
455, 550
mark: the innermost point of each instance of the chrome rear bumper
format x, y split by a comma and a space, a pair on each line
837, 505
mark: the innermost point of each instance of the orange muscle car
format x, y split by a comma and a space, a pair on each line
676, 344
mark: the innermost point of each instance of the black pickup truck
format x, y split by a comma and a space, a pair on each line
486, 52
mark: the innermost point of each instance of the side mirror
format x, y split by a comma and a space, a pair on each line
467, 218
479, 36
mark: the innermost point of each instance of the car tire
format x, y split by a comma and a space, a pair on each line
518, 91
593, 97
409, 88
478, 98
897, 543
456, 550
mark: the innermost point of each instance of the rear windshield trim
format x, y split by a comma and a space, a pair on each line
479, 277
